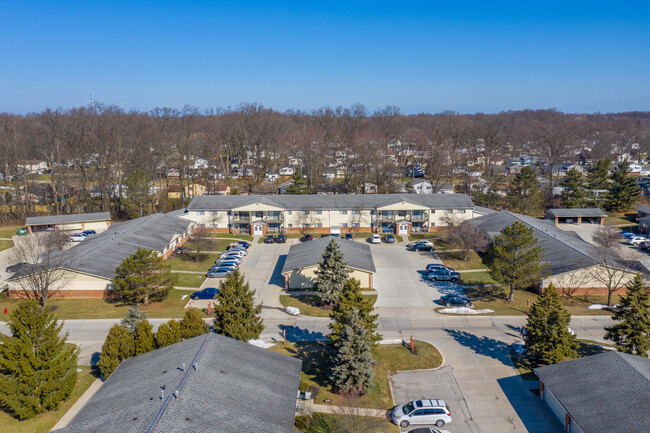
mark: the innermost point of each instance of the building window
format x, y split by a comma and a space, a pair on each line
200, 212
343, 212
356, 212
344, 225
305, 212
259, 214
449, 211
318, 225
401, 213
306, 226
356, 225
289, 212
319, 212
289, 225
461, 211
372, 212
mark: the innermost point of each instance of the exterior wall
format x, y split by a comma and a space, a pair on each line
437, 216
73, 285
587, 281
304, 278
217, 219
559, 411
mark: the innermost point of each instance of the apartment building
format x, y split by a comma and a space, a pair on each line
384, 213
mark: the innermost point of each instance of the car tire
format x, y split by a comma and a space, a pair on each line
404, 424
440, 423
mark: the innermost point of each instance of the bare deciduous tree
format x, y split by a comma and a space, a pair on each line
466, 237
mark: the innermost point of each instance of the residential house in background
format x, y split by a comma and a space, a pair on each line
34, 166
98, 221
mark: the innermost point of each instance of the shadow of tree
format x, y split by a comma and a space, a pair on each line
276, 277
297, 334
485, 346
315, 357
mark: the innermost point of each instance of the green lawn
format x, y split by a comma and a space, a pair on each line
473, 261
186, 262
346, 421
5, 245
476, 278
420, 236
389, 357
44, 422
495, 298
209, 245
628, 219
173, 306
308, 304
8, 231
46, 177
527, 361
235, 237
189, 280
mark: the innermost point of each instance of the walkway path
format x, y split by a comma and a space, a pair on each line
76, 407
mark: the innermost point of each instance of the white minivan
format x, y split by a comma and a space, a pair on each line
433, 411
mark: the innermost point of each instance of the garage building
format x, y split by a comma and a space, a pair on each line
591, 215
98, 221
303, 259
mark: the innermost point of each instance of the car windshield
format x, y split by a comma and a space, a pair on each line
408, 408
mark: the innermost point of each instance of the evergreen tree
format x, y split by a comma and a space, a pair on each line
350, 299
573, 194
523, 193
624, 190
632, 334
598, 176
351, 367
118, 346
143, 340
192, 325
547, 331
38, 370
235, 313
515, 259
168, 333
143, 277
332, 273
133, 317
138, 191
298, 184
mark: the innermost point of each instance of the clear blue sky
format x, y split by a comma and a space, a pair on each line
422, 56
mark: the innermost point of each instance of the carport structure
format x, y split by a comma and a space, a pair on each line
592, 215
98, 221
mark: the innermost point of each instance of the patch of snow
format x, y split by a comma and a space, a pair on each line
518, 347
260, 343
292, 310
394, 341
596, 307
183, 297
464, 310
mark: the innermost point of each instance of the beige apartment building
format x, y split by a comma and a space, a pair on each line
384, 213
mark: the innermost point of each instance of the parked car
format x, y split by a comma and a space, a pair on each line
435, 266
241, 245
627, 234
432, 411
16, 267
280, 239
421, 247
427, 430
444, 275
244, 244
217, 268
269, 239
375, 239
78, 237
644, 245
228, 262
89, 232
420, 242
241, 251
208, 293
348, 236
636, 240
219, 273
307, 237
240, 257
390, 239
456, 301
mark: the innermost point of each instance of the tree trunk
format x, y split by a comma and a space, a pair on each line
511, 296
609, 298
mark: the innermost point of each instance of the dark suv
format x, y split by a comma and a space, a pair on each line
456, 301
269, 239
280, 239
307, 237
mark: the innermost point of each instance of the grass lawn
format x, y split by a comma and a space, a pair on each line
173, 306
186, 262
495, 298
5, 245
527, 361
8, 231
210, 245
44, 422
308, 304
235, 237
473, 261
189, 280
389, 357
347, 421
420, 236
476, 278
628, 219
46, 177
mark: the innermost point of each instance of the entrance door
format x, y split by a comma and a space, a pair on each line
258, 230
402, 229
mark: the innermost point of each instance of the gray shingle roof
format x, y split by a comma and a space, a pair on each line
607, 392
72, 218
236, 387
356, 254
644, 209
330, 201
590, 212
101, 253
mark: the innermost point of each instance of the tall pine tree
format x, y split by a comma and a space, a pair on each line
133, 317
624, 190
598, 178
573, 193
143, 277
235, 313
547, 331
351, 299
523, 193
118, 346
332, 273
38, 370
143, 338
192, 325
515, 259
298, 184
632, 333
351, 366
168, 333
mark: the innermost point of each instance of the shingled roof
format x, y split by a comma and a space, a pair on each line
66, 219
306, 254
330, 201
606, 392
235, 387
589, 212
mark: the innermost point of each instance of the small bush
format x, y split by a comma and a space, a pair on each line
302, 423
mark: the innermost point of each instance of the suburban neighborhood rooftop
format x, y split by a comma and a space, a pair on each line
303, 255
71, 218
576, 212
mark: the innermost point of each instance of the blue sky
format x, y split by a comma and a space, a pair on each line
421, 56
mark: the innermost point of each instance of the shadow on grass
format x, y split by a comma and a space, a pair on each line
485, 346
315, 357
297, 334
